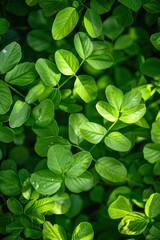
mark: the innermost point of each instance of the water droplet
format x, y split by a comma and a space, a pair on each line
32, 182
4, 51
52, 179
44, 186
37, 185
51, 142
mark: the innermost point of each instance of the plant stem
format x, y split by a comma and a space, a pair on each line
112, 125
15, 90
66, 81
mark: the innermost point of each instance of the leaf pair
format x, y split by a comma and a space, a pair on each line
55, 232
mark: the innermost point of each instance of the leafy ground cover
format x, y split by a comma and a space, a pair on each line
79, 119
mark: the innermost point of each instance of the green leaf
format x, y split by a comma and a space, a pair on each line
92, 132
64, 23
41, 206
93, 23
46, 182
14, 206
32, 2
133, 224
75, 120
43, 113
20, 113
6, 134
59, 159
22, 74
86, 88
62, 203
123, 15
114, 96
48, 72
100, 6
100, 62
43, 144
34, 93
155, 40
81, 162
120, 208
111, 169
79, 184
9, 183
50, 7
111, 28
123, 42
131, 101
151, 152
4, 25
135, 116
152, 206
32, 233
9, 57
133, 5
155, 132
53, 232
5, 98
66, 62
83, 45
118, 142
151, 6
39, 40
83, 231
151, 68
47, 131
107, 111
14, 228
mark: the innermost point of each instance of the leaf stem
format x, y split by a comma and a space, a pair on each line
15, 90
66, 81
112, 125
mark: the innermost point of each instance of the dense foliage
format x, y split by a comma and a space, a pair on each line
79, 119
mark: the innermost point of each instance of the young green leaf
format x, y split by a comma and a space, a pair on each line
9, 183
43, 144
20, 114
120, 208
155, 132
111, 28
62, 203
92, 132
93, 23
53, 232
155, 40
83, 231
151, 68
64, 23
34, 93
111, 169
100, 62
114, 96
83, 45
6, 134
151, 152
46, 182
9, 57
81, 162
22, 74
66, 62
135, 116
107, 111
131, 101
79, 184
100, 6
152, 206
133, 5
133, 224
14, 206
48, 72
86, 88
75, 121
59, 159
5, 98
118, 142
43, 114
4, 25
